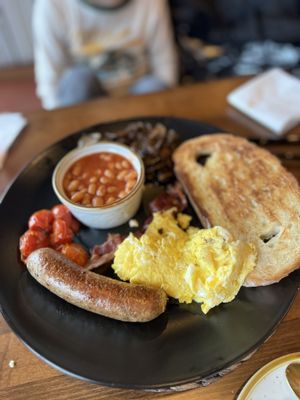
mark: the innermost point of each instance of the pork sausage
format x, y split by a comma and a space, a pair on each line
96, 293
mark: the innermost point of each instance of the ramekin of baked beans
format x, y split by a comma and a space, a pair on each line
101, 184
99, 179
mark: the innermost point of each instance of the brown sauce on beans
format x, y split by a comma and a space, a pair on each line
99, 179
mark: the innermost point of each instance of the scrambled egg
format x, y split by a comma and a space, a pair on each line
204, 265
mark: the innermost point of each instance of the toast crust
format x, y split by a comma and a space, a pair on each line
246, 190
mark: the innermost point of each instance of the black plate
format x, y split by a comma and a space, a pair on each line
180, 347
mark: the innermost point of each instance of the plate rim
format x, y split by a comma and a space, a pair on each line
263, 371
175, 386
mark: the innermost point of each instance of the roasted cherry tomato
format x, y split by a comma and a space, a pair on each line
61, 233
42, 219
75, 252
62, 212
32, 240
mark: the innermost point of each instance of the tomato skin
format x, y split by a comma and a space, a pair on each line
41, 219
61, 233
60, 211
51, 228
75, 252
32, 240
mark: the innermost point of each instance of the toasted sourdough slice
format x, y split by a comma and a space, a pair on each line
245, 189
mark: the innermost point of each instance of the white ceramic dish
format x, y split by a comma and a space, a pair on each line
108, 216
269, 382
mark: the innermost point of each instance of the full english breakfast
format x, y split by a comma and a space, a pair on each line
248, 205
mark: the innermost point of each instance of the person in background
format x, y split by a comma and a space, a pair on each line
89, 48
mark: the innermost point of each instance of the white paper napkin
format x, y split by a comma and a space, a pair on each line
272, 99
11, 124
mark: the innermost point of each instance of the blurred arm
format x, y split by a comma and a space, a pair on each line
161, 45
50, 49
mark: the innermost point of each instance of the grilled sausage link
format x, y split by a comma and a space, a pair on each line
93, 292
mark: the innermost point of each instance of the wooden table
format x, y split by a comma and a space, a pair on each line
31, 378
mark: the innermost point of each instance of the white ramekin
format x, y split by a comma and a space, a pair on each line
111, 215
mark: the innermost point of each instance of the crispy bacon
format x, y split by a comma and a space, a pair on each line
173, 197
104, 253
162, 202
109, 246
138, 234
176, 190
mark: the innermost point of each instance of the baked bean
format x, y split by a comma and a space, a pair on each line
125, 164
105, 157
97, 201
110, 200
73, 185
121, 175
122, 194
99, 179
108, 173
93, 179
101, 191
77, 169
130, 184
127, 189
92, 188
86, 201
131, 175
78, 196
104, 180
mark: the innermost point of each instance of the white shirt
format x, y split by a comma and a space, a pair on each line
120, 45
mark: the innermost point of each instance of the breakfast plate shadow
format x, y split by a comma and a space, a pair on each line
181, 349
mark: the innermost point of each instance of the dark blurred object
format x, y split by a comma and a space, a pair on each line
155, 143
236, 37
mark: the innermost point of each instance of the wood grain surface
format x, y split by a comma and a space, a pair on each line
31, 378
